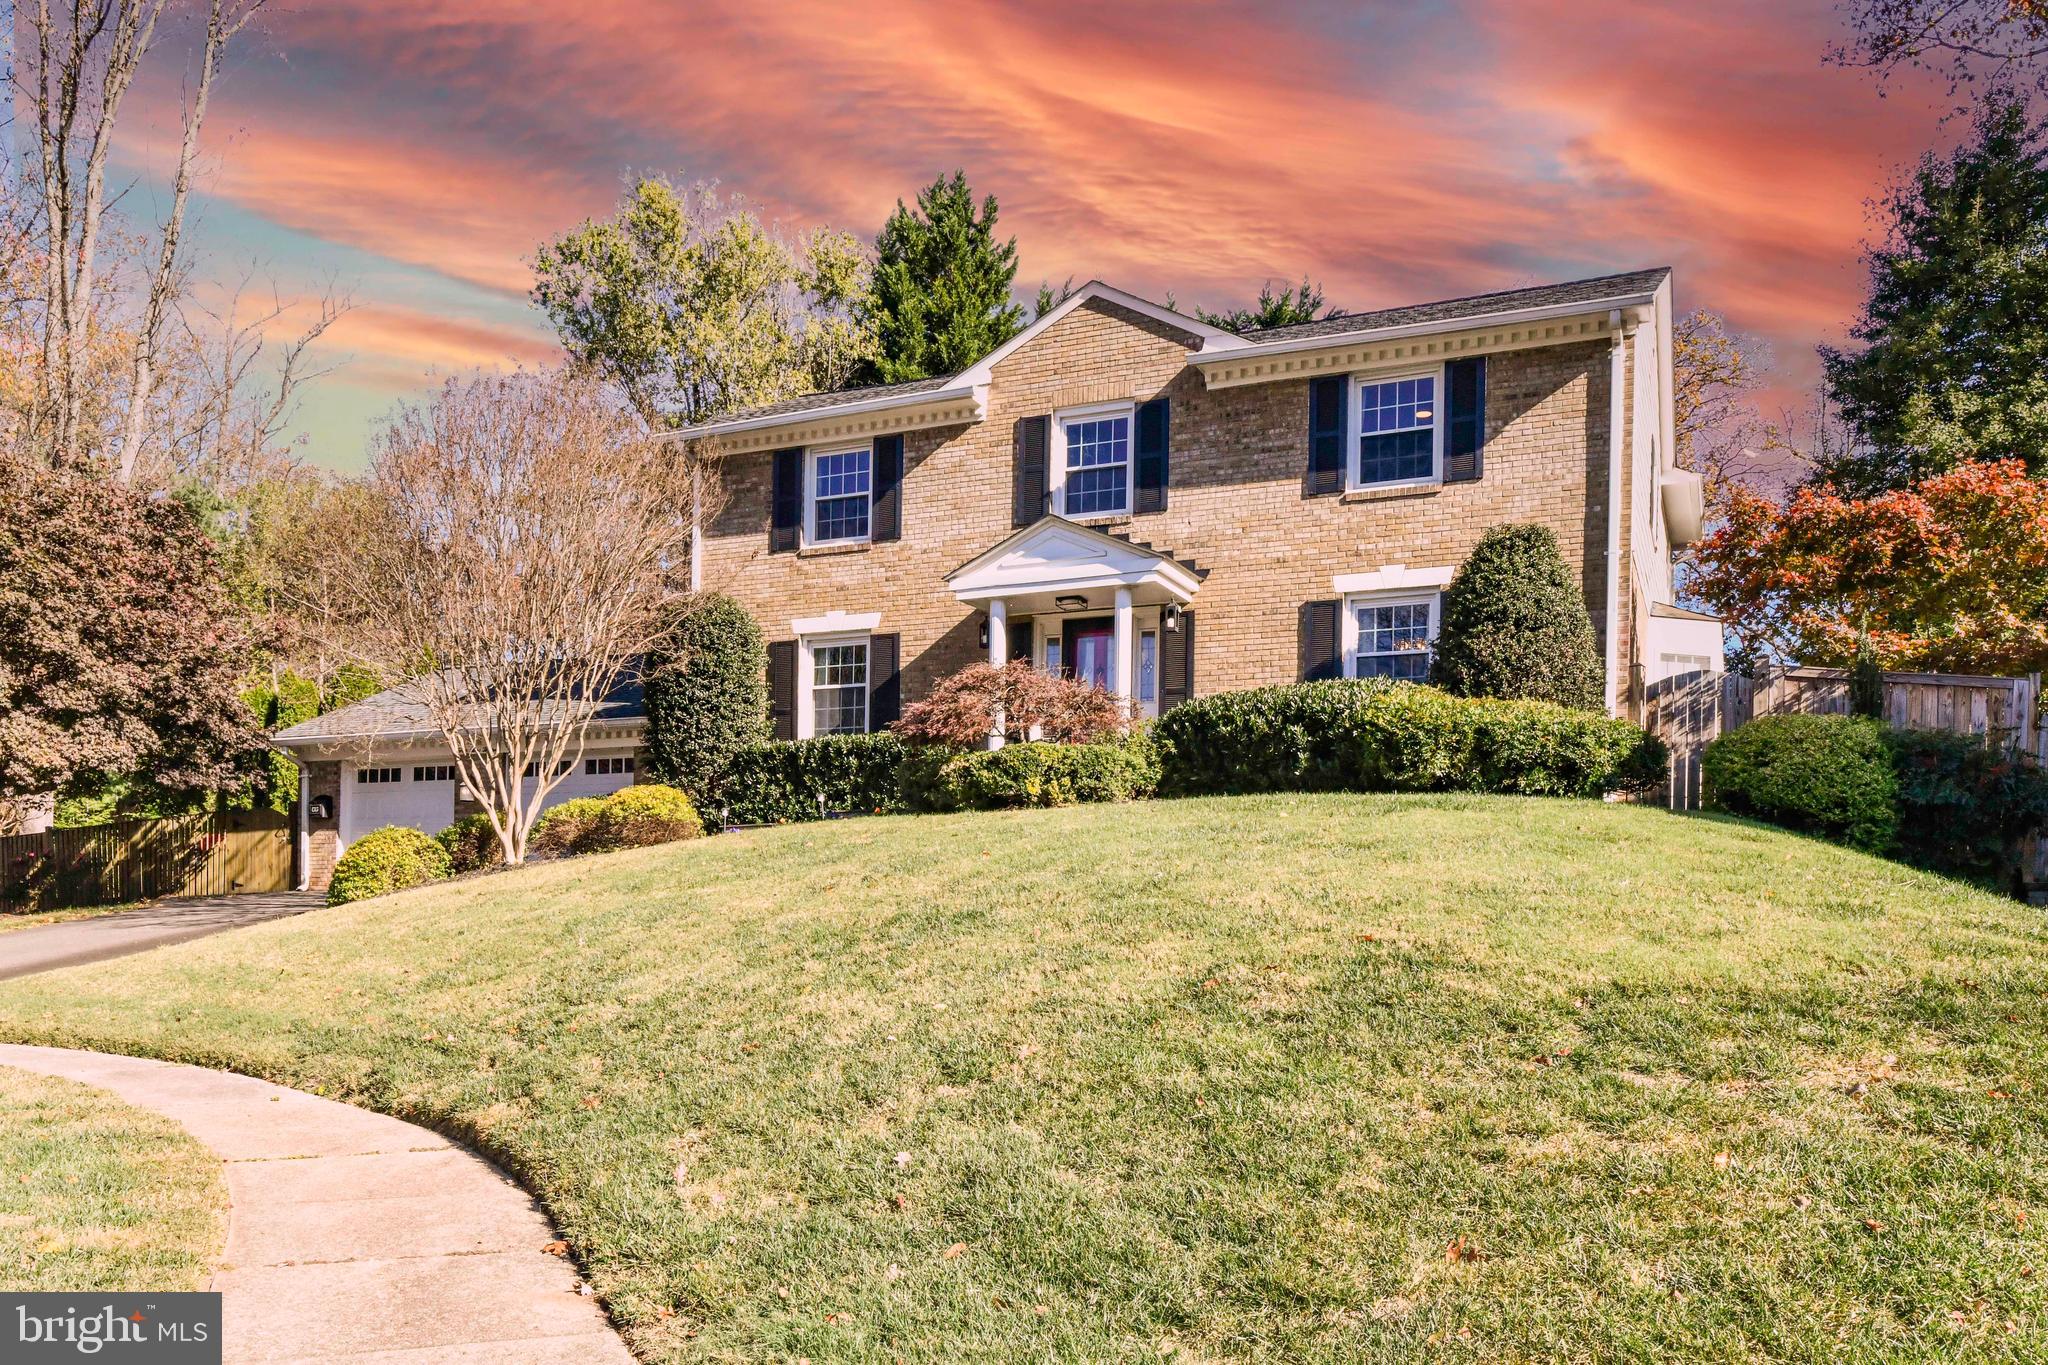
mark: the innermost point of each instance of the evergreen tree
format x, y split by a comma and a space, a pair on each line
707, 697
1283, 309
1954, 364
941, 293
1515, 625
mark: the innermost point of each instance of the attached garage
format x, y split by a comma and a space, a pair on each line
596, 774
396, 793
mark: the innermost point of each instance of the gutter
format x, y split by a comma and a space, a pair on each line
1252, 350
829, 410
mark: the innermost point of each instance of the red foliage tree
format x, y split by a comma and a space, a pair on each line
962, 710
1950, 574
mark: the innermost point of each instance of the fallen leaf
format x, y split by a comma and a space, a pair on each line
556, 1248
1722, 1160
1873, 1225
1462, 1250
954, 1252
1801, 1201
894, 1272
902, 1160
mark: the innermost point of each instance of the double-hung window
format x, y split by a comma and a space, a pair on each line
1398, 429
841, 493
1094, 462
839, 687
1390, 637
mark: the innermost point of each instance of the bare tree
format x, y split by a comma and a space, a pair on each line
2004, 42
87, 54
516, 552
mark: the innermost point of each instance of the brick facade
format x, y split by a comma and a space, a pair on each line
1236, 504
323, 837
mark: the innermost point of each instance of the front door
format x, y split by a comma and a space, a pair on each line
1088, 648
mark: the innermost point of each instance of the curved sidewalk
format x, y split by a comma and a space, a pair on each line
353, 1235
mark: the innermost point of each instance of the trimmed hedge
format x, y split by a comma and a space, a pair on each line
561, 829
1033, 773
471, 844
707, 696
1515, 625
385, 860
1375, 735
640, 817
1950, 803
782, 780
1828, 775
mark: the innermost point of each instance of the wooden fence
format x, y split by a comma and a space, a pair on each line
190, 855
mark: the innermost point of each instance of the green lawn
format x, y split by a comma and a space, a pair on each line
1278, 1078
97, 1195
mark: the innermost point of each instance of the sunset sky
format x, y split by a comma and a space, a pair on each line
415, 151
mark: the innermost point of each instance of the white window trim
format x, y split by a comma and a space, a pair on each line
807, 669
1056, 457
1348, 627
812, 454
1356, 418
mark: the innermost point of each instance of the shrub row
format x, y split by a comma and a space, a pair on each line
767, 784
1949, 803
397, 857
1376, 735
1027, 774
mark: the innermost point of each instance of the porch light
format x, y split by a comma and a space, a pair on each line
984, 632
1070, 601
1170, 618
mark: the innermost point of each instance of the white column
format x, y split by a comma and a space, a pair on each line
998, 655
305, 838
1121, 672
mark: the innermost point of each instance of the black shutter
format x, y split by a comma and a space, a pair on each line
885, 687
1177, 664
786, 502
1027, 493
1020, 639
782, 687
885, 522
1464, 419
1319, 641
1154, 425
1326, 435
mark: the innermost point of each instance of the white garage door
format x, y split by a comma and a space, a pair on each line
597, 774
376, 795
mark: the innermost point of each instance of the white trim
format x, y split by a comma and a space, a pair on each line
806, 681
1347, 626
1354, 454
303, 833
1393, 578
1213, 338
1123, 563
812, 454
836, 622
952, 393
1056, 470
1245, 348
1617, 373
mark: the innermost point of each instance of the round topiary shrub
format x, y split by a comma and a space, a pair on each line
561, 829
386, 860
637, 817
1830, 775
471, 844
1515, 625
707, 696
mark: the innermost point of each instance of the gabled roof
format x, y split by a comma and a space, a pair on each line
1575, 293
401, 713
1053, 553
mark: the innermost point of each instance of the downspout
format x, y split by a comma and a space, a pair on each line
1617, 374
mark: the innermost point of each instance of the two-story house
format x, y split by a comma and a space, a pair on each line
1168, 509
1161, 507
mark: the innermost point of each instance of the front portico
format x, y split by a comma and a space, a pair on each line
1077, 600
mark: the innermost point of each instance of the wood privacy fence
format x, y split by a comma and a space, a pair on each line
188, 855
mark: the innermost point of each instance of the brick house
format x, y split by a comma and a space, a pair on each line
1170, 510
1162, 507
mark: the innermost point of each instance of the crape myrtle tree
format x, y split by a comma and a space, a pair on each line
120, 651
941, 297
1515, 624
513, 557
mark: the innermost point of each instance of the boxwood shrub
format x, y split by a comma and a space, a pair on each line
561, 829
471, 844
386, 860
640, 816
782, 780
1032, 773
1376, 735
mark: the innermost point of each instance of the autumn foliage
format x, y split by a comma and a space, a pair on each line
962, 710
1948, 575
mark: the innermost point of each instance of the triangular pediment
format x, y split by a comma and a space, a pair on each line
1054, 552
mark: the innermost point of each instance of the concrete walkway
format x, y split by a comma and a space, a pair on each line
50, 946
352, 1235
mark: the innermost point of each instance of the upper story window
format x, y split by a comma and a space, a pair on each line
839, 687
1093, 464
839, 495
1397, 430
1390, 637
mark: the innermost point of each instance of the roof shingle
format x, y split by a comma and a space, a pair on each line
1475, 305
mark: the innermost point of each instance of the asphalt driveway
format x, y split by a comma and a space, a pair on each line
52, 946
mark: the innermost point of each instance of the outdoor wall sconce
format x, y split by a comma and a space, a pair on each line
984, 632
321, 808
1070, 601
1170, 618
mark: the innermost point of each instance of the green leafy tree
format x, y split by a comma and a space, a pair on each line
707, 696
1283, 309
1515, 624
693, 308
941, 297
1954, 362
